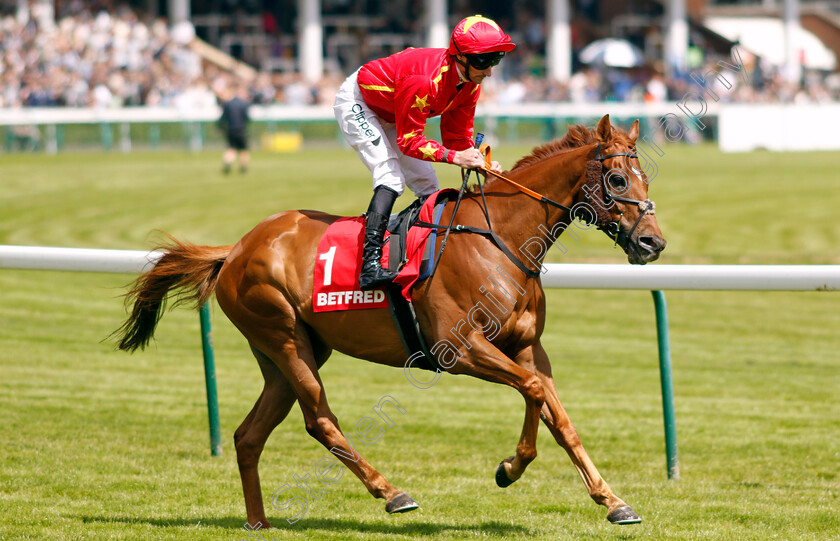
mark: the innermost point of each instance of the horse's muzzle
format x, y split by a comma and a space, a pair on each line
645, 248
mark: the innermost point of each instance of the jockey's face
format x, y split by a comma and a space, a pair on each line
475, 75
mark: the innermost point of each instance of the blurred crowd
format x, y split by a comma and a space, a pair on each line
107, 59
112, 58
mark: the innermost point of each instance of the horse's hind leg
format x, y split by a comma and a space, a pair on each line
557, 420
273, 405
295, 358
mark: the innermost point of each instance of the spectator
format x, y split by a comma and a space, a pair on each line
656, 90
234, 122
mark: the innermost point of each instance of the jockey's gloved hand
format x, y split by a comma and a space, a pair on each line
472, 158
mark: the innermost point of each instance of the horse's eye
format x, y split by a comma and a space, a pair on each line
618, 183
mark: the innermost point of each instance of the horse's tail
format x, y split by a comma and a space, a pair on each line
192, 271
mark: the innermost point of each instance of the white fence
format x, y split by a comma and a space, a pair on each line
565, 275
694, 277
285, 113
76, 259
741, 127
53, 120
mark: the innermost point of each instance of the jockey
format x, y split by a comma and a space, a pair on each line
382, 110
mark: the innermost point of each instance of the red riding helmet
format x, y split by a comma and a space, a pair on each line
477, 35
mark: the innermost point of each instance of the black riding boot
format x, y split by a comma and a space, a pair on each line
376, 220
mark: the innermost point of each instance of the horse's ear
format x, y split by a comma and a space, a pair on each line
633, 134
604, 131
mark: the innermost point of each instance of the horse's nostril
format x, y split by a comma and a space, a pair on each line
652, 244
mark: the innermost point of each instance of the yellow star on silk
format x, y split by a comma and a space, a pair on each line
421, 103
428, 151
409, 135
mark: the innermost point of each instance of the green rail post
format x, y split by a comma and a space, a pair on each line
154, 136
210, 381
107, 134
667, 385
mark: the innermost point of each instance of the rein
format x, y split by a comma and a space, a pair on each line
595, 179
485, 149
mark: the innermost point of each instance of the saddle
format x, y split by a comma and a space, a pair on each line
398, 227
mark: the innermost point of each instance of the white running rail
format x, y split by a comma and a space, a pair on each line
557, 275
76, 259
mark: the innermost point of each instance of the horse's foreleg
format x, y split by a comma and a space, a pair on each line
483, 360
273, 405
555, 417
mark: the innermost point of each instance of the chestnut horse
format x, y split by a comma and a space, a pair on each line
264, 285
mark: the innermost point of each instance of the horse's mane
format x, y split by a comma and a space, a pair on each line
577, 136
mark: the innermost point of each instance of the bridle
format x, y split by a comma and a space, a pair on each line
645, 207
596, 179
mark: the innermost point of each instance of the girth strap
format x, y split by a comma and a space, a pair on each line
405, 319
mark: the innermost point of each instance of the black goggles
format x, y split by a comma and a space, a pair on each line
483, 61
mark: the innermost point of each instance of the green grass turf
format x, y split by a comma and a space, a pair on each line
99, 444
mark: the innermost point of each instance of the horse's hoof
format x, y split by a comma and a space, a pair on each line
624, 515
401, 503
502, 478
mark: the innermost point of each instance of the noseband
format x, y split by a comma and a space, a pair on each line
596, 180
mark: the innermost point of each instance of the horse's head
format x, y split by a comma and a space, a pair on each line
616, 189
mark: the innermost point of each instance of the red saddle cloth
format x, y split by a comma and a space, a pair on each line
339, 261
